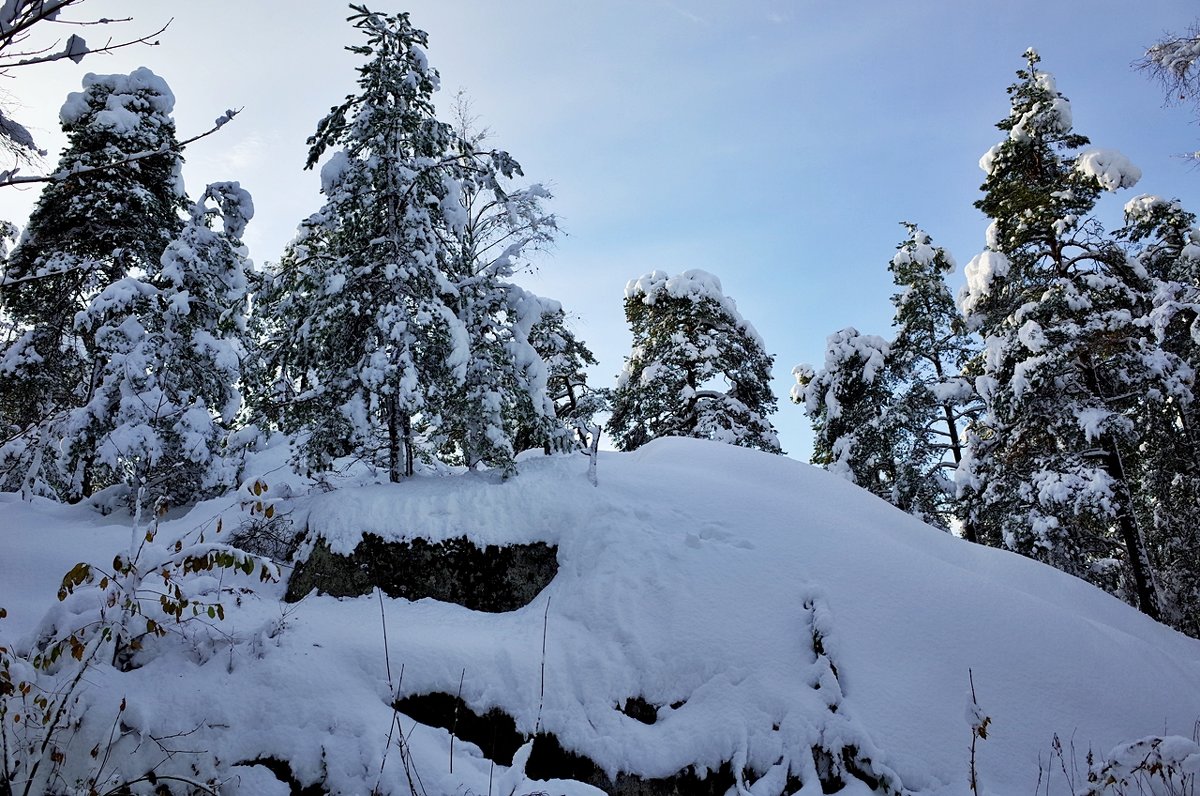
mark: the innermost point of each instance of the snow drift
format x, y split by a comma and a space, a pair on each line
778, 626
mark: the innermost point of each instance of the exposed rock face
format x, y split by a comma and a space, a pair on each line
495, 733
493, 579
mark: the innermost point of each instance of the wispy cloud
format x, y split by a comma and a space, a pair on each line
685, 13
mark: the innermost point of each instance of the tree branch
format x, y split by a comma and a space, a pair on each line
8, 178
77, 55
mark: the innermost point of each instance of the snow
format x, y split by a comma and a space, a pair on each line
981, 272
140, 88
987, 161
921, 252
1031, 336
695, 572
1108, 167
695, 284
1143, 206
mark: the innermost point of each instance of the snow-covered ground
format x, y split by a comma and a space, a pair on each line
776, 607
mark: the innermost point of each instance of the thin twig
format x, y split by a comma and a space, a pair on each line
454, 721
542, 686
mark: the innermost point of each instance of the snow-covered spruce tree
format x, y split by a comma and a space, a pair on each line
696, 369
378, 301
1068, 364
87, 233
935, 401
851, 403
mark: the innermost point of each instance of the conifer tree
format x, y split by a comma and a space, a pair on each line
696, 369
1167, 463
87, 233
927, 357
364, 331
888, 415
1067, 366
851, 403
174, 359
575, 401
393, 334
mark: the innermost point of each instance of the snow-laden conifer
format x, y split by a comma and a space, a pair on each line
697, 367
935, 401
80, 263
889, 415
575, 402
1069, 364
1166, 244
393, 331
850, 401
191, 388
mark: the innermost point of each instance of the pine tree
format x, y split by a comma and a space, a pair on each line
393, 334
1068, 366
1167, 463
87, 234
575, 401
928, 354
888, 415
851, 403
696, 369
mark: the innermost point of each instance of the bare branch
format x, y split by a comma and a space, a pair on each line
77, 53
8, 178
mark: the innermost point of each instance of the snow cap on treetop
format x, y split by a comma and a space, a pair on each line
1143, 205
1056, 117
694, 284
120, 92
919, 250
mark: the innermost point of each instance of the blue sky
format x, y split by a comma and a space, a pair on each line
776, 144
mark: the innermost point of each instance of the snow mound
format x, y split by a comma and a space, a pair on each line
139, 89
766, 614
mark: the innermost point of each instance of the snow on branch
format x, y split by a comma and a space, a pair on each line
1108, 167
8, 178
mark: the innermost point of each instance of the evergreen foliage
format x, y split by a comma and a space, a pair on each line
1165, 242
696, 369
888, 416
851, 401
575, 402
176, 369
393, 333
928, 355
88, 234
1070, 373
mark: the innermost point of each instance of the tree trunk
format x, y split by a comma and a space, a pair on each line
1131, 535
406, 428
394, 441
969, 531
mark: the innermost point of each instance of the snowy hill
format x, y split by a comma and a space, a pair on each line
758, 620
